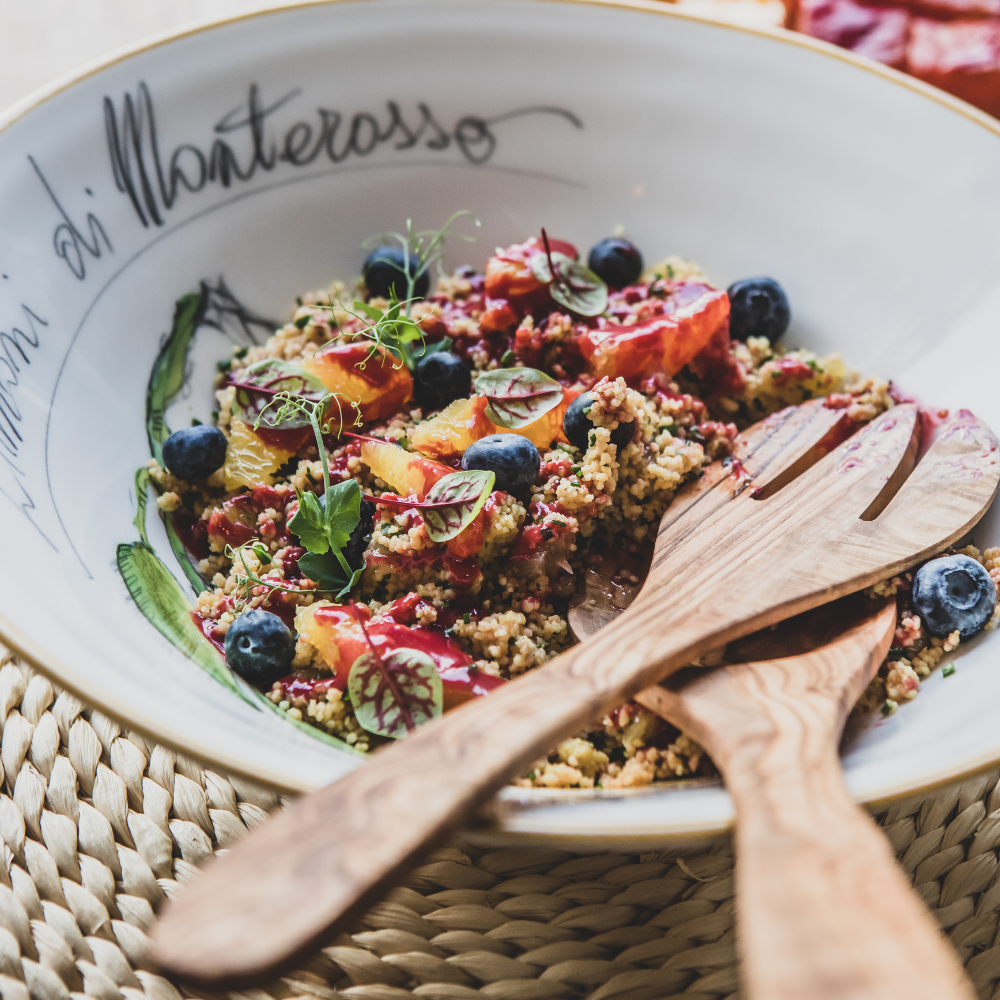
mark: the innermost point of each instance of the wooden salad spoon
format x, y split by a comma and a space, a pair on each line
823, 911
793, 522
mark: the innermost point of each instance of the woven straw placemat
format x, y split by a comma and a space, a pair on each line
99, 825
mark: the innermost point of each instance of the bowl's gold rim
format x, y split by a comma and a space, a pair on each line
661, 7
21, 643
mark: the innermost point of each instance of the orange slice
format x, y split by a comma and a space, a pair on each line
662, 345
380, 388
464, 421
249, 461
405, 472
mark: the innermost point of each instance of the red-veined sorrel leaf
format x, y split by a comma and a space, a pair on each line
454, 501
258, 384
574, 286
391, 694
517, 397
451, 505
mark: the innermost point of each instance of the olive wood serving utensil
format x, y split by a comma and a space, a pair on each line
728, 559
823, 911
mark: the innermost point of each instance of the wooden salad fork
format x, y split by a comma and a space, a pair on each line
795, 521
823, 911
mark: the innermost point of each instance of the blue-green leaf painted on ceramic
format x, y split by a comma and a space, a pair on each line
165, 381
159, 596
154, 589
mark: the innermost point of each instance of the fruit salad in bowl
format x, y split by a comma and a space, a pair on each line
408, 485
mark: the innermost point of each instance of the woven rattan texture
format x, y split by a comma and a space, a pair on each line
99, 826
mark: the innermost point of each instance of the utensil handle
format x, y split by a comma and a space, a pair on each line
825, 912
327, 857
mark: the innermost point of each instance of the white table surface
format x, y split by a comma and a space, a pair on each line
41, 40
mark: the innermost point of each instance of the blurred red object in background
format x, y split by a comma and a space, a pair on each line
952, 44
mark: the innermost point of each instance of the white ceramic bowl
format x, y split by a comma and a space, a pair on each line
262, 151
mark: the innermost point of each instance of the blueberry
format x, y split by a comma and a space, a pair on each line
354, 550
441, 378
194, 452
513, 458
384, 268
577, 425
954, 592
259, 647
758, 307
616, 262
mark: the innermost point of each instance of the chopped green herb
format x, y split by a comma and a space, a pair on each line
568, 448
895, 653
587, 409
323, 527
224, 366
664, 427
241, 352
403, 443
302, 322
215, 416
592, 439
298, 300
195, 422
507, 359
576, 470
466, 618
814, 365
889, 707
947, 670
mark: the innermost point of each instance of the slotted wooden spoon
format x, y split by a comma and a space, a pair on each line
745, 546
823, 911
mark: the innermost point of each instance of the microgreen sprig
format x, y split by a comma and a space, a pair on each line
387, 329
246, 580
289, 405
425, 247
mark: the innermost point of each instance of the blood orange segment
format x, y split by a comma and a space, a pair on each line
335, 633
548, 427
405, 472
509, 275
380, 388
453, 429
512, 289
249, 461
663, 345
464, 422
